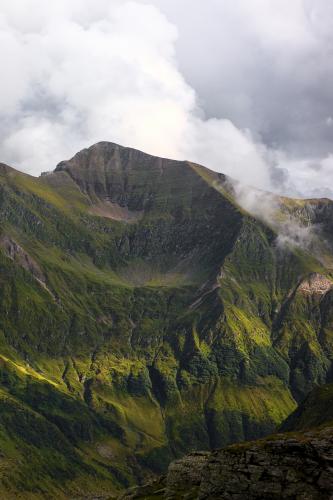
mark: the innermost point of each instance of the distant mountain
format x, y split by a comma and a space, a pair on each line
144, 314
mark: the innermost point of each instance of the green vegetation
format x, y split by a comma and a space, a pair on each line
125, 345
316, 410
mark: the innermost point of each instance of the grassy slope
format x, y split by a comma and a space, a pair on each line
316, 410
144, 345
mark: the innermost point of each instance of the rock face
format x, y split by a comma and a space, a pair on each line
144, 314
15, 252
315, 284
297, 466
284, 467
185, 476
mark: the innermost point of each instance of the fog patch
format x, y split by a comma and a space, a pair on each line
293, 229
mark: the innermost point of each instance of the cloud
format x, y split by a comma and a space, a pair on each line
214, 87
311, 178
265, 65
292, 229
112, 74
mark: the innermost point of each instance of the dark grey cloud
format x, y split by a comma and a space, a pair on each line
267, 65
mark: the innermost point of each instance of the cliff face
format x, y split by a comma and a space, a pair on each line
284, 466
144, 314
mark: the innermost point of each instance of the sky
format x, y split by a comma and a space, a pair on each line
242, 87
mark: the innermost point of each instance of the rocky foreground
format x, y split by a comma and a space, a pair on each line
288, 466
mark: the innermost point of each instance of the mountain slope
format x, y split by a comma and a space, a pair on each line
144, 314
292, 464
315, 410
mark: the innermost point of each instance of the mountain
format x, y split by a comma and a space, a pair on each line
296, 464
144, 314
288, 466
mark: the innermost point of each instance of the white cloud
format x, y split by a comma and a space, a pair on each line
81, 71
311, 178
75, 79
266, 65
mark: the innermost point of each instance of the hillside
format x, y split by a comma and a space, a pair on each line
289, 465
316, 410
145, 314
284, 466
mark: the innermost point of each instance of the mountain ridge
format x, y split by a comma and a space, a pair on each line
179, 323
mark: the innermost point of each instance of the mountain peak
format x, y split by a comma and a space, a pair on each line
102, 152
109, 172
134, 286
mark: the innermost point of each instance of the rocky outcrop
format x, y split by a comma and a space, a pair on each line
285, 466
185, 475
15, 252
315, 284
281, 467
